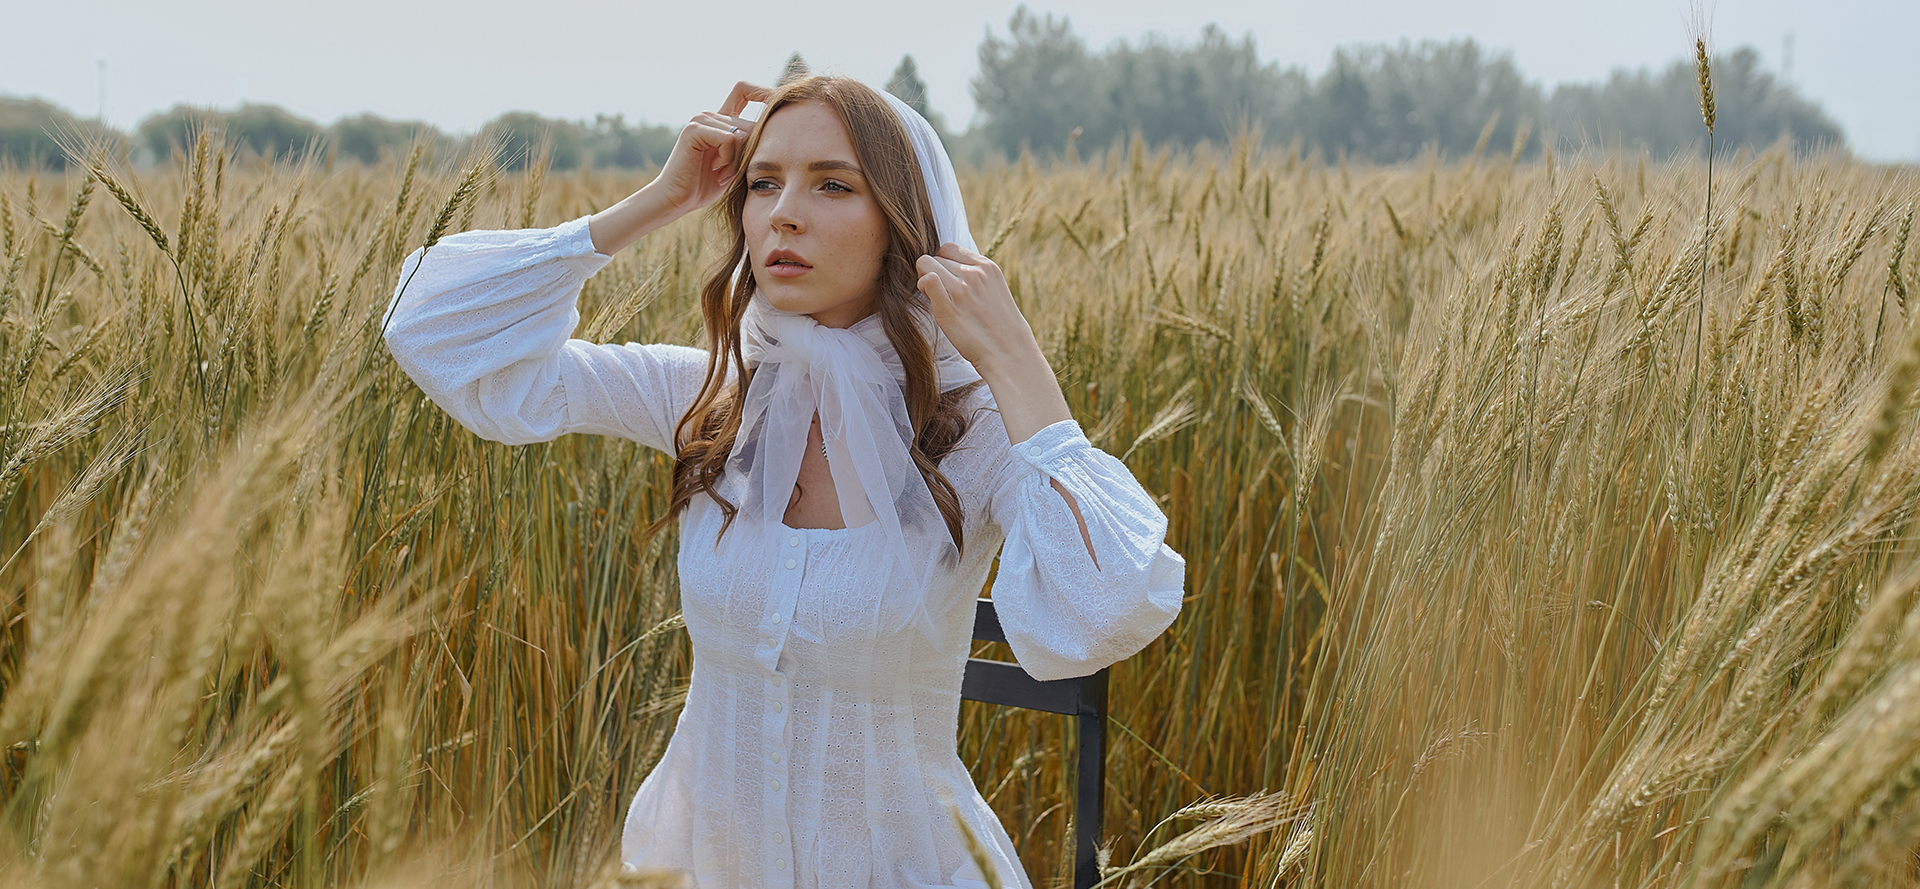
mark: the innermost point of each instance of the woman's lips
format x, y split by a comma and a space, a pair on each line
786, 264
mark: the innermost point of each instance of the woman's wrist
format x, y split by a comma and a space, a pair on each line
632, 218
1026, 391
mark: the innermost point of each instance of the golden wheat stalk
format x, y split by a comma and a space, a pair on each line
1232, 821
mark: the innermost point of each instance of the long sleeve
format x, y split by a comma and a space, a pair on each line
482, 323
1063, 615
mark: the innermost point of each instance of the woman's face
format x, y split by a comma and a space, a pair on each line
815, 234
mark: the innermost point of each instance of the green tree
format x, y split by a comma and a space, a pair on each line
266, 130
272, 131
367, 138
1180, 93
906, 85
795, 69
28, 131
1387, 103
1661, 112
609, 141
1038, 84
165, 132
520, 135
614, 143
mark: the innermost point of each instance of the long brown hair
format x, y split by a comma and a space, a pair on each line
708, 429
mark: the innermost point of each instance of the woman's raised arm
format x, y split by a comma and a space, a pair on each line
483, 323
704, 159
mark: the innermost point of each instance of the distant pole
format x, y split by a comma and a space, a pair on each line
1786, 59
100, 89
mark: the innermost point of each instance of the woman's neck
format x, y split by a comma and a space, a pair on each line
846, 314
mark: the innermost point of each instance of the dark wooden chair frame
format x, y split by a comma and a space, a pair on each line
1083, 698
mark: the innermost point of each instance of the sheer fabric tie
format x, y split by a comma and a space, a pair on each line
854, 379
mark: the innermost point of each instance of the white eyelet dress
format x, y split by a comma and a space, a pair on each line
814, 750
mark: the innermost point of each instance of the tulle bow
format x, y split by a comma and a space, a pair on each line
854, 379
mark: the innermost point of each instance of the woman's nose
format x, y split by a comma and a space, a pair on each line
786, 214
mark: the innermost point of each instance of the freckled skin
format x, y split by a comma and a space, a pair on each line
827, 216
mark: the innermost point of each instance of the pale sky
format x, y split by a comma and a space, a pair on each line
458, 64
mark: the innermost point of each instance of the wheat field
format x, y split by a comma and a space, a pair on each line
1544, 527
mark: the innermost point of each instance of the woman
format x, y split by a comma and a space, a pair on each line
872, 420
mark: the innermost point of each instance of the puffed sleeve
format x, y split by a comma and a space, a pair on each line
1064, 616
482, 323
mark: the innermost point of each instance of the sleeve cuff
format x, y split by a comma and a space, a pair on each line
1063, 437
575, 238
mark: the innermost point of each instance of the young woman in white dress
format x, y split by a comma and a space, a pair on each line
872, 421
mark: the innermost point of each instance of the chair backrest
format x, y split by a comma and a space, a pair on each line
1083, 698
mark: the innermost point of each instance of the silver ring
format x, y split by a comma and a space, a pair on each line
732, 131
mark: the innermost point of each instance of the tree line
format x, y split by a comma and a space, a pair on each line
1039, 86
30, 131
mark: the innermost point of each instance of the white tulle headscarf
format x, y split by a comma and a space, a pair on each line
854, 378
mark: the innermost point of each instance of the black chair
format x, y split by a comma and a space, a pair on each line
1084, 699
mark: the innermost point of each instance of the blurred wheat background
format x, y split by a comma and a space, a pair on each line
1545, 527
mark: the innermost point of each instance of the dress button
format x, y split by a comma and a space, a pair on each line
780, 864
1033, 451
794, 540
774, 784
775, 756
776, 618
778, 707
791, 563
779, 838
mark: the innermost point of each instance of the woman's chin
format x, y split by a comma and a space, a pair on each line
786, 300
830, 313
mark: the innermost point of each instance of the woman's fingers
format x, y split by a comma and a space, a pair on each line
962, 269
935, 272
971, 302
744, 92
725, 123
958, 257
953, 251
716, 138
709, 131
935, 289
729, 118
708, 150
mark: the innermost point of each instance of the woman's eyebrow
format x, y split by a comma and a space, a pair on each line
816, 166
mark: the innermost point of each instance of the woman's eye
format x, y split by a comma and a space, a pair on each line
835, 186
760, 185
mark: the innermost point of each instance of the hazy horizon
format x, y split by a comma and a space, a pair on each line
406, 60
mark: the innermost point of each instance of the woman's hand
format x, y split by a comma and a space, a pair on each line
706, 156
703, 161
975, 309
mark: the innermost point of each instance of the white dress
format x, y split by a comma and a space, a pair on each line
813, 750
